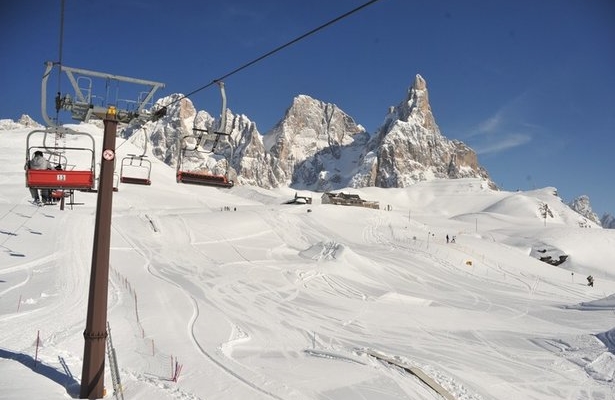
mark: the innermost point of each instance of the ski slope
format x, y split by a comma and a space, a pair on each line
256, 299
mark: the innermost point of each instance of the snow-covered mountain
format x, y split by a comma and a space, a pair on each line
24, 122
582, 205
317, 146
608, 221
409, 148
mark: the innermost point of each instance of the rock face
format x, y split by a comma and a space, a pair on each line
582, 205
162, 136
608, 221
251, 163
23, 122
409, 148
317, 146
311, 146
28, 122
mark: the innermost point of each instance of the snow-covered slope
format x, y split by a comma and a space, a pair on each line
257, 299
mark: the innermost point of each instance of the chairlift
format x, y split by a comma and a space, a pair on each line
75, 164
136, 170
203, 141
83, 105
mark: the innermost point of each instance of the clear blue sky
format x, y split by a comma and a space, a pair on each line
529, 85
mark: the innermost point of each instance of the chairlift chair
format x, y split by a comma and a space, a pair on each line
199, 177
72, 176
208, 143
136, 170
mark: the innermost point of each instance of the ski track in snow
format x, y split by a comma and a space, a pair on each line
208, 354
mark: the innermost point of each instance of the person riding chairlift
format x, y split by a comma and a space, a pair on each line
38, 161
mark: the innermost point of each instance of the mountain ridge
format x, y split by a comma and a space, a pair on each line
317, 146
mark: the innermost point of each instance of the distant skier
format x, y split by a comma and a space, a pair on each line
446, 238
590, 281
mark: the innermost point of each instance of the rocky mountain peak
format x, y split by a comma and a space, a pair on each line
416, 106
28, 122
409, 147
608, 221
25, 121
308, 140
582, 205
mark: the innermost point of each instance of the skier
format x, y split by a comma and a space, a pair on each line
590, 281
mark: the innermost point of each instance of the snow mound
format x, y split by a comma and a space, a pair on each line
323, 251
393, 297
602, 368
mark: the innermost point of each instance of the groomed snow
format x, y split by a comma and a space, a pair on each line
256, 299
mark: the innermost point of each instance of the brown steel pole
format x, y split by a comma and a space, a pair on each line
95, 334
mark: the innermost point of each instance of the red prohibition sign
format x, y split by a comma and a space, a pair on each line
108, 154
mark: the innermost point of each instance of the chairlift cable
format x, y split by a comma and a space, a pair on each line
60, 54
60, 51
277, 49
162, 111
141, 127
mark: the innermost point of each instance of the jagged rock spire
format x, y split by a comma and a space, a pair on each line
409, 147
417, 107
582, 205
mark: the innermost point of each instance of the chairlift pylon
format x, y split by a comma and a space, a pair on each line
206, 142
81, 103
